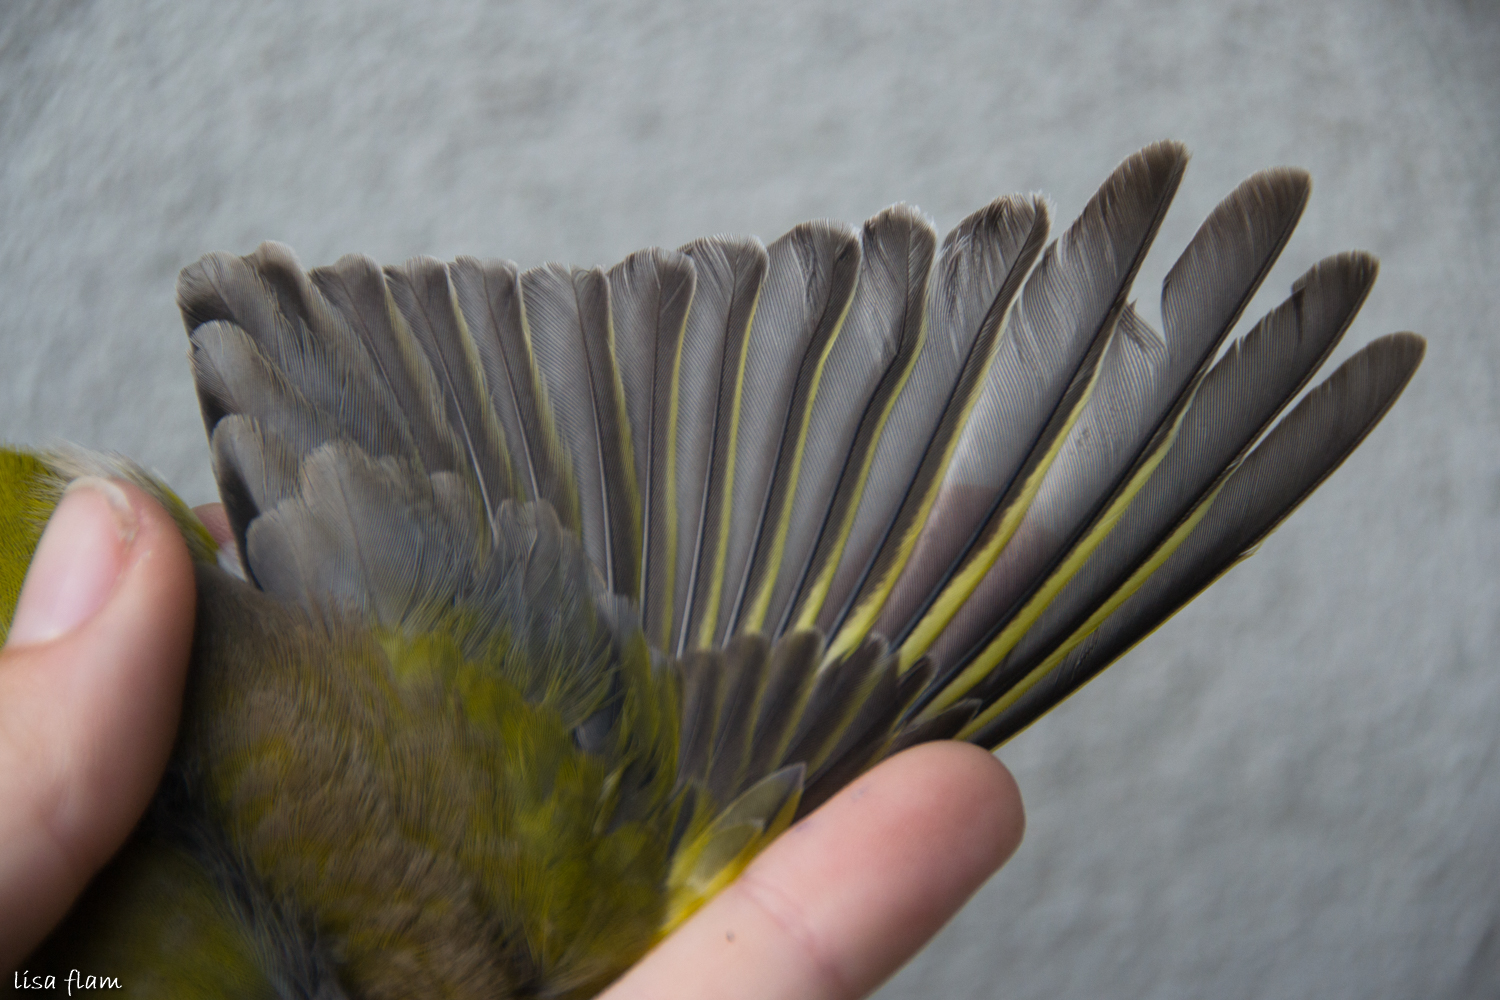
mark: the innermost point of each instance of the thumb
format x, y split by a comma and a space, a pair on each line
90, 689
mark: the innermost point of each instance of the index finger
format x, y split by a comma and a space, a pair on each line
841, 900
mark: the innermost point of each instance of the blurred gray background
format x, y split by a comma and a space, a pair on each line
1293, 789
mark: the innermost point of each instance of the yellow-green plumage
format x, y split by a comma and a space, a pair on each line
156, 899
449, 829
25, 504
430, 812
521, 670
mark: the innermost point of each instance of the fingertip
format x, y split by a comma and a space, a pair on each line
840, 901
77, 563
899, 852
980, 790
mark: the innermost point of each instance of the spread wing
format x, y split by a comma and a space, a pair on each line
858, 488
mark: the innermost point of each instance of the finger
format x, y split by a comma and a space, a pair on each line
845, 897
90, 688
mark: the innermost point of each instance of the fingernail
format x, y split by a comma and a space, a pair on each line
77, 562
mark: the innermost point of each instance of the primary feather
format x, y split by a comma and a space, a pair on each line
570, 589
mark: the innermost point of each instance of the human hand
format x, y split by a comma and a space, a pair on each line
90, 689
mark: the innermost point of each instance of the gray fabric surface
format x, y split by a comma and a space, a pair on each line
1292, 789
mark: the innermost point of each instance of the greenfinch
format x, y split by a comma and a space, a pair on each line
557, 594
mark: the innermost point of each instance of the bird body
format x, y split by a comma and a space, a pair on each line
559, 593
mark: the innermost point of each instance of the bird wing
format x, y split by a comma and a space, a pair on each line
859, 489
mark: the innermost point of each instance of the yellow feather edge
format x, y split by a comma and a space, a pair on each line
818, 592
754, 618
1018, 627
1137, 579
710, 614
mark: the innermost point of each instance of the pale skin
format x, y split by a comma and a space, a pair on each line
90, 689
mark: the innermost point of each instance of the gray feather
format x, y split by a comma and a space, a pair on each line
963, 470
1046, 368
489, 297
233, 377
730, 273
1146, 383
979, 271
256, 470
649, 296
355, 288
1302, 451
866, 367
297, 332
361, 534
567, 321
1239, 399
808, 288
421, 291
